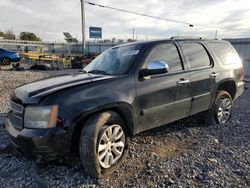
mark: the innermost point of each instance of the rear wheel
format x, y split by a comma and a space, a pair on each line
6, 61
103, 144
221, 111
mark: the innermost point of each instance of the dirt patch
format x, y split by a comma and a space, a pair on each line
175, 147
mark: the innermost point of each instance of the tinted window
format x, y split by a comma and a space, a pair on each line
225, 52
196, 55
114, 61
167, 53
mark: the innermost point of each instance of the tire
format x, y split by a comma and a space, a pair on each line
221, 111
6, 61
96, 151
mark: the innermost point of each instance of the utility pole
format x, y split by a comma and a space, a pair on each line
133, 33
83, 25
216, 33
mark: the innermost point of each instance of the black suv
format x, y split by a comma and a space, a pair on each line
126, 90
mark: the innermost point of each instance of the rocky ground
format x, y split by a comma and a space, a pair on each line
187, 153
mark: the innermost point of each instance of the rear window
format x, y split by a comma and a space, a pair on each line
197, 55
225, 52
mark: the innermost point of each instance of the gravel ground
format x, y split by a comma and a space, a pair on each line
186, 153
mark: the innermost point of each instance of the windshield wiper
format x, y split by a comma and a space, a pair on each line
99, 72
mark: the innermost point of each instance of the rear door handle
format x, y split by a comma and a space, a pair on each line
182, 81
214, 74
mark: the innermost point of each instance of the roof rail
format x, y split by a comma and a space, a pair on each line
186, 37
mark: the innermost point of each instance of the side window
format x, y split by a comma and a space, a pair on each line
167, 53
225, 52
197, 55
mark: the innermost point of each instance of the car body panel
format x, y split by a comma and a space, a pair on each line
13, 56
33, 92
162, 100
81, 100
35, 142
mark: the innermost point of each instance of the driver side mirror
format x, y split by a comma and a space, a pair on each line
154, 68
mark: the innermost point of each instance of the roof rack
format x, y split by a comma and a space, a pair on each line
186, 37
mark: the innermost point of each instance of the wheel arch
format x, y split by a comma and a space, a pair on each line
123, 110
228, 85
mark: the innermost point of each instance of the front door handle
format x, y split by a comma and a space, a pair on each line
182, 81
214, 74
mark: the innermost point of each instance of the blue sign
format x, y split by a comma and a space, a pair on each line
95, 32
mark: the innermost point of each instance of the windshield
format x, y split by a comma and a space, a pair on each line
114, 61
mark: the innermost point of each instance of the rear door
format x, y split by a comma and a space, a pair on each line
165, 97
202, 75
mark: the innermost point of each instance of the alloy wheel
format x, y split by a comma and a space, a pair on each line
224, 110
111, 145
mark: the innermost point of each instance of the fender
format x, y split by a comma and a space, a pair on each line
216, 88
126, 111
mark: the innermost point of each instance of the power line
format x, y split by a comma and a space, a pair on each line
140, 14
51, 13
156, 17
68, 14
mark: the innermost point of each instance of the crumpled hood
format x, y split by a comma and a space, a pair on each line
33, 92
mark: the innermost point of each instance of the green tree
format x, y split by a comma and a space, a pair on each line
9, 35
29, 36
1, 34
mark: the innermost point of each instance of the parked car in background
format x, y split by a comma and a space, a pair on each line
82, 61
8, 56
126, 90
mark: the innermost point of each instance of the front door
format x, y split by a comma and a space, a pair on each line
165, 97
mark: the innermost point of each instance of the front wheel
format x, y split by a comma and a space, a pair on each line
221, 111
103, 144
6, 61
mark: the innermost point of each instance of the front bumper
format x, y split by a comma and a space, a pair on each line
40, 142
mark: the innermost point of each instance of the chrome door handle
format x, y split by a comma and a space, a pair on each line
182, 81
214, 74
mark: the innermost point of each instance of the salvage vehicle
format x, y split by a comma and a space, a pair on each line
127, 89
8, 56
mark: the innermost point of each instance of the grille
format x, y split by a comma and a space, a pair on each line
16, 107
16, 121
16, 115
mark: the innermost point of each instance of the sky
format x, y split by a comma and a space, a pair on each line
50, 18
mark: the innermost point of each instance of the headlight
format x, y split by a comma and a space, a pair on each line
41, 117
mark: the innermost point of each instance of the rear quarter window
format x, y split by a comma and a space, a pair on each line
225, 52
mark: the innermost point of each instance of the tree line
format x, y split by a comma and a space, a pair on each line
33, 37
22, 36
